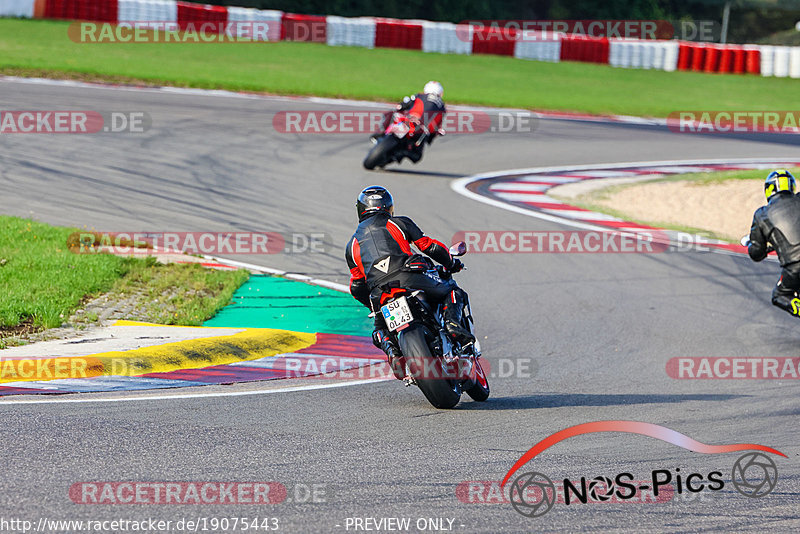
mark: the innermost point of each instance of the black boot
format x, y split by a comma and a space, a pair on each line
384, 341
453, 312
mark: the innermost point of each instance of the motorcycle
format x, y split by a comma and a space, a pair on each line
397, 141
440, 368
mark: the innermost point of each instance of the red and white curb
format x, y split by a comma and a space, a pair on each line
525, 191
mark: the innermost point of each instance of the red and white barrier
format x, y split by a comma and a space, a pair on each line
17, 8
539, 46
446, 38
350, 32
440, 37
393, 33
147, 10
272, 20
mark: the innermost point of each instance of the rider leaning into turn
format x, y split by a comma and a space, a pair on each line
426, 112
778, 224
381, 262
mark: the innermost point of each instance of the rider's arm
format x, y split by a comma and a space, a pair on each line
358, 281
758, 241
431, 247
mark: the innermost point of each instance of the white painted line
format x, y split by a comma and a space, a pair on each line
528, 197
196, 395
516, 186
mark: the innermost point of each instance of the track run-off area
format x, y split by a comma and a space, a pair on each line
580, 337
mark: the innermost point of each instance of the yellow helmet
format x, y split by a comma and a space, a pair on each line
779, 181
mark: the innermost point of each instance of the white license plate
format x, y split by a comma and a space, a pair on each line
397, 314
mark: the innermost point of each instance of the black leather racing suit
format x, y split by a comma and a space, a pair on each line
778, 224
380, 259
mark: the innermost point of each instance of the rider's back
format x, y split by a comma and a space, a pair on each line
779, 221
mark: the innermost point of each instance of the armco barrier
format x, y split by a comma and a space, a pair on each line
441, 37
101, 11
392, 33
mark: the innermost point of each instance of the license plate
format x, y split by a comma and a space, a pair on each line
397, 314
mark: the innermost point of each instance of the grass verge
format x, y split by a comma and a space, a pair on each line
43, 48
44, 283
597, 199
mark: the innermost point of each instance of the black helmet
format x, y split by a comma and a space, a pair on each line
372, 200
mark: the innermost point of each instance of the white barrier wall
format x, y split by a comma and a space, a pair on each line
271, 17
16, 8
794, 62
446, 38
343, 31
539, 47
661, 55
147, 11
781, 65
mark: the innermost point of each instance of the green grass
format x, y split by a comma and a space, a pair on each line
179, 294
43, 282
41, 47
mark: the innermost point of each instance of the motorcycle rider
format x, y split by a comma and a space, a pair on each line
778, 224
381, 262
426, 111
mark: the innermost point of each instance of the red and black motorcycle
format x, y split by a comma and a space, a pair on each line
442, 369
401, 138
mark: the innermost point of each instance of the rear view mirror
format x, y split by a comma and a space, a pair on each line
459, 249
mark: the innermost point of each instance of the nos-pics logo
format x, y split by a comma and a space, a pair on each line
533, 494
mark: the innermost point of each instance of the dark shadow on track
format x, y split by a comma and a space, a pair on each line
426, 173
563, 400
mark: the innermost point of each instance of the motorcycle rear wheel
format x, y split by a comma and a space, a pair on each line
378, 156
441, 392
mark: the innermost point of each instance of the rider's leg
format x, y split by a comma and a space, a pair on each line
784, 296
384, 340
453, 311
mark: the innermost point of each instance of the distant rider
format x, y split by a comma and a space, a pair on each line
381, 261
778, 224
426, 111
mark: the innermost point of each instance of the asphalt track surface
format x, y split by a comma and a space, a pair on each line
598, 327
